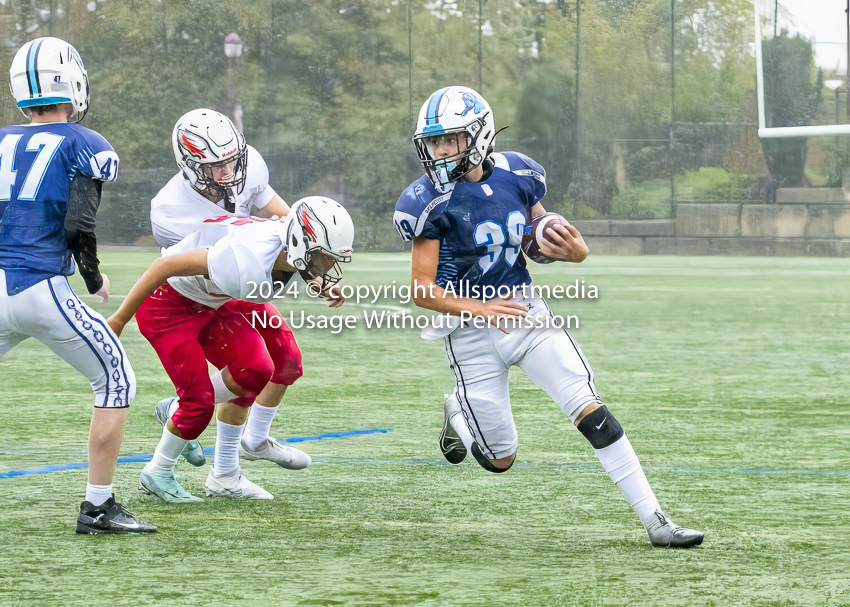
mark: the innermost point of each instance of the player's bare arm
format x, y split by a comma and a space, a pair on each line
428, 295
193, 263
571, 246
275, 209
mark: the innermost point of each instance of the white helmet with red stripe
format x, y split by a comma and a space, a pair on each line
319, 236
210, 151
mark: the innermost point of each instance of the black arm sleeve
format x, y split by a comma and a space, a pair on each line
83, 201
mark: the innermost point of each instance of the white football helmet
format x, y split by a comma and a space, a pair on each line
317, 225
210, 151
459, 113
46, 71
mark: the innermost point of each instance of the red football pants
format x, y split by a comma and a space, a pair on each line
186, 334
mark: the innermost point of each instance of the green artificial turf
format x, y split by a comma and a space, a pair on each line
729, 376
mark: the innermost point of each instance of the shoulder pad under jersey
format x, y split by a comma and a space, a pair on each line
521, 165
415, 205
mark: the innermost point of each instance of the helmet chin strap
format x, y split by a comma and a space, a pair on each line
229, 203
226, 194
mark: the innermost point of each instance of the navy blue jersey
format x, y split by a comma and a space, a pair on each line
38, 162
479, 225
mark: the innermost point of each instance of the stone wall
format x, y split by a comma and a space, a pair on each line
803, 222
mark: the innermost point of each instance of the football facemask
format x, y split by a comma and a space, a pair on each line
323, 271
226, 175
446, 157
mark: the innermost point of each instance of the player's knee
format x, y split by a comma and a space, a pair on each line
495, 466
601, 428
289, 372
286, 356
253, 377
191, 419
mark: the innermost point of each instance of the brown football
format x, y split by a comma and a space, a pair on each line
535, 234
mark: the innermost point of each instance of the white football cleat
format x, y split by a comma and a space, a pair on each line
234, 484
271, 450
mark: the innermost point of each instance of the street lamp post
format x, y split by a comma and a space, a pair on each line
233, 50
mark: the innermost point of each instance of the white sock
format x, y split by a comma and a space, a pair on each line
622, 465
227, 448
222, 394
258, 426
458, 422
166, 454
97, 494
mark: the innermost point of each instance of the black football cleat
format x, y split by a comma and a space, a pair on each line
450, 443
109, 517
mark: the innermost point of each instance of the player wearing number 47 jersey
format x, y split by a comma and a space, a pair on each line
466, 219
51, 173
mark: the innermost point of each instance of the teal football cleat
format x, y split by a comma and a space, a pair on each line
165, 487
192, 452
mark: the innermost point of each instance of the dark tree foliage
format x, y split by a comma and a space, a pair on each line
791, 98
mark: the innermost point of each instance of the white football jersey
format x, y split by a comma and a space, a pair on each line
242, 253
178, 209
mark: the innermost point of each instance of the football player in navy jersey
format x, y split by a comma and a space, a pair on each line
466, 219
51, 172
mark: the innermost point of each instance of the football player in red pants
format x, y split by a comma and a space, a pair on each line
224, 261
222, 176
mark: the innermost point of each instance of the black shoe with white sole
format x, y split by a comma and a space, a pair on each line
109, 517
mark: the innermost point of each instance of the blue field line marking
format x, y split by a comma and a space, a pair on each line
146, 457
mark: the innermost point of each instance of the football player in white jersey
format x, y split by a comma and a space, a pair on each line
51, 175
466, 219
221, 176
226, 259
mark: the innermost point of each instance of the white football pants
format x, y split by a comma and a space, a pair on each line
481, 359
52, 313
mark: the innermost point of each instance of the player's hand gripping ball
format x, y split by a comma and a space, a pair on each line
535, 235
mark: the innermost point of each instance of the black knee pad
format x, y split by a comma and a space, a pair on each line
485, 463
601, 428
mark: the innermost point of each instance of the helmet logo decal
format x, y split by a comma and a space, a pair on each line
305, 215
472, 103
191, 146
